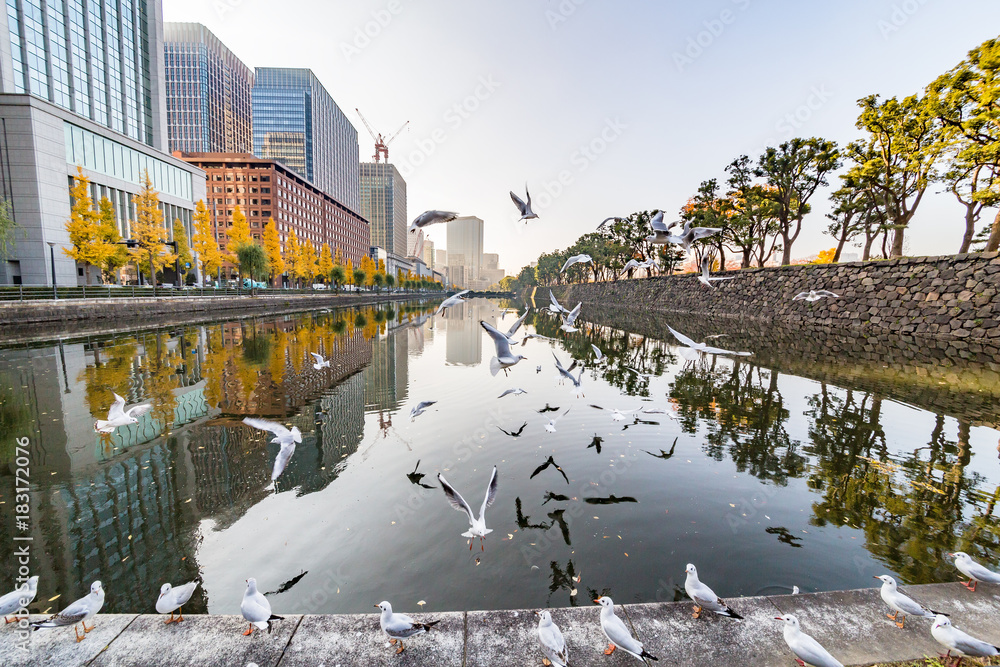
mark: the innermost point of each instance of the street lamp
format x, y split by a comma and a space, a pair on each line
52, 255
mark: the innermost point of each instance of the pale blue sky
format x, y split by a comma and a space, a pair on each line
499, 93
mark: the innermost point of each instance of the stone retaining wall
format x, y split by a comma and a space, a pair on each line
952, 297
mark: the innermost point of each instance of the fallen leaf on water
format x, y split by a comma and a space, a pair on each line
421, 603
572, 593
732, 505
55, 598
626, 554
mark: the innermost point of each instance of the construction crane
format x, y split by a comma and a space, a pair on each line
381, 145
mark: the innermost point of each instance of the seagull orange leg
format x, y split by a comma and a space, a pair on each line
180, 614
392, 641
85, 628
249, 630
697, 612
545, 661
401, 647
8, 620
169, 620
901, 622
77, 633
892, 616
610, 649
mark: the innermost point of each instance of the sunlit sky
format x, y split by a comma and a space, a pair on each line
665, 94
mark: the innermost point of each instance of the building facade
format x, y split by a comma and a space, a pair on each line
465, 249
383, 203
208, 92
296, 122
265, 189
101, 61
428, 254
491, 273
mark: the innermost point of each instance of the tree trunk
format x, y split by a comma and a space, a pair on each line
786, 250
970, 226
866, 254
745, 264
722, 259
994, 243
897, 241
840, 244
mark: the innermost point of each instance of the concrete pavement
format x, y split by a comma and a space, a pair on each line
851, 624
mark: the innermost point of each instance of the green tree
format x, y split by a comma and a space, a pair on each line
184, 258
251, 262
897, 160
358, 276
378, 280
794, 171
752, 229
338, 275
390, 281
966, 99
855, 212
8, 229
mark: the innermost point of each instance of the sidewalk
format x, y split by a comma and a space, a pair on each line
851, 624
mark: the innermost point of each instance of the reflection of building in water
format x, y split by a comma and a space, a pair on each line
464, 338
386, 379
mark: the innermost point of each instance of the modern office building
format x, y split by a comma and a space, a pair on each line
383, 204
266, 189
428, 255
102, 61
465, 249
296, 122
208, 92
81, 84
491, 273
440, 259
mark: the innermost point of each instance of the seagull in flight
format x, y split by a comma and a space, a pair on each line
568, 374
570, 319
691, 234
431, 218
420, 408
705, 349
517, 325
549, 462
815, 295
282, 434
555, 307
607, 220
517, 392
321, 363
514, 434
504, 358
551, 426
582, 258
616, 414
661, 231
119, 416
452, 300
706, 278
523, 207
477, 526
597, 352
640, 375
527, 337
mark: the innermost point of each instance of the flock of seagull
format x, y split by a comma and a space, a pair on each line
256, 609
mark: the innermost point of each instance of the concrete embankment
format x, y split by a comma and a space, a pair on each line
28, 321
952, 297
851, 624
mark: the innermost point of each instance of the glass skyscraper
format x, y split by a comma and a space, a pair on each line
99, 59
296, 122
383, 203
208, 92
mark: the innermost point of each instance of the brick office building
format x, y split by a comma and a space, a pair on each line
267, 189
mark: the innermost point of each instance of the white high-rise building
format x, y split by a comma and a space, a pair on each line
465, 249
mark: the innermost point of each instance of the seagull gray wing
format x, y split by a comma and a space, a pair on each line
828, 293
682, 338
607, 220
265, 425
491, 493
553, 643
618, 633
117, 409
656, 222
910, 606
812, 652
518, 323
704, 232
138, 410
455, 499
71, 615
521, 206
500, 340
971, 646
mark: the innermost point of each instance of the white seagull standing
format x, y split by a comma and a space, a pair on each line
551, 426
173, 598
321, 363
523, 207
256, 609
704, 597
551, 640
805, 648
431, 218
705, 349
570, 319
955, 640
974, 571
119, 416
617, 633
80, 612
419, 409
582, 258
19, 598
815, 295
477, 527
452, 300
902, 604
504, 358
706, 278
400, 626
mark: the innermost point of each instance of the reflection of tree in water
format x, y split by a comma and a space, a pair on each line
912, 510
745, 414
563, 579
621, 349
15, 417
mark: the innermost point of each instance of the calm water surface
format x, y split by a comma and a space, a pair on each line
767, 480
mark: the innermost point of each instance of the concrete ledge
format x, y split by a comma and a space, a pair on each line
851, 624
